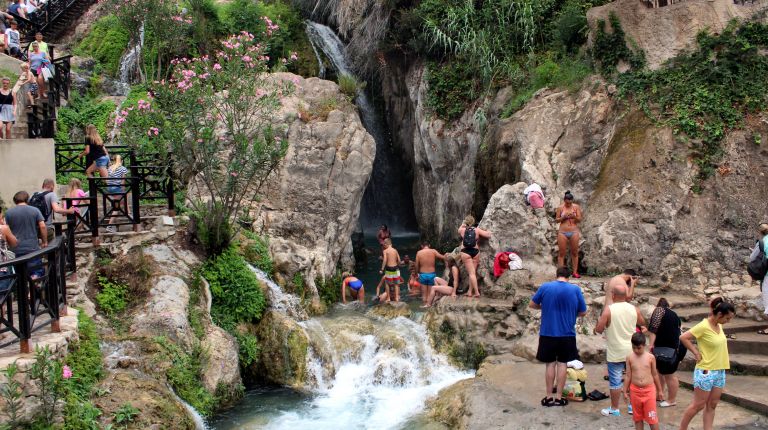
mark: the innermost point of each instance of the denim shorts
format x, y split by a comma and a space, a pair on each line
115, 189
709, 380
615, 371
102, 161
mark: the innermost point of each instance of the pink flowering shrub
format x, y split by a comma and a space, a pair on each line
213, 120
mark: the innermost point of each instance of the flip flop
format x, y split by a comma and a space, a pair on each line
547, 401
560, 402
596, 395
763, 331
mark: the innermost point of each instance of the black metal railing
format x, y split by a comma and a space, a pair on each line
49, 15
67, 161
33, 292
41, 118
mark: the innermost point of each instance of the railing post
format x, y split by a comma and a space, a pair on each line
71, 230
135, 195
58, 290
22, 296
93, 208
171, 192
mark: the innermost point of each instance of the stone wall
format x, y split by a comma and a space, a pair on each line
24, 163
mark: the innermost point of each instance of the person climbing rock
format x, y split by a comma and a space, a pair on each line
628, 279
470, 253
425, 267
355, 285
569, 216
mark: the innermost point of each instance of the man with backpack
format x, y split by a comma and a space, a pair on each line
758, 267
48, 204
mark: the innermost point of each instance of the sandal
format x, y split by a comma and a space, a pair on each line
763, 331
547, 401
730, 336
560, 402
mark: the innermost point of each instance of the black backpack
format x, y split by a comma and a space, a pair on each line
470, 239
38, 201
758, 266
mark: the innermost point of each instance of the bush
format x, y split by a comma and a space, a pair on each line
80, 112
185, 376
569, 29
329, 289
451, 88
113, 297
237, 296
566, 73
249, 348
212, 227
256, 251
106, 43
610, 48
349, 85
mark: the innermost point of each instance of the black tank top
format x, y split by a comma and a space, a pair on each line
6, 99
95, 151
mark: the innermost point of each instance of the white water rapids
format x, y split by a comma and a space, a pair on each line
364, 372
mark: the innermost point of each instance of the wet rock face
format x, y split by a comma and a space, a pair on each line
441, 156
391, 310
312, 203
284, 346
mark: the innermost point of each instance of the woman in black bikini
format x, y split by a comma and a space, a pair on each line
569, 216
470, 253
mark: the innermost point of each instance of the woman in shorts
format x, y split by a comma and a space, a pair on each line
7, 108
712, 361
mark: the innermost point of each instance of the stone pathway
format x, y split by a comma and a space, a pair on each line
507, 391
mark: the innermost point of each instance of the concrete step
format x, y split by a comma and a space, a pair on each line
738, 325
741, 364
692, 314
676, 301
749, 343
740, 390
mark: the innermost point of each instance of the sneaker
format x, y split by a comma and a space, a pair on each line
111, 229
610, 412
576, 275
629, 409
666, 404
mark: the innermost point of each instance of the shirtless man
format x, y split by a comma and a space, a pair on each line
425, 267
628, 280
390, 269
642, 384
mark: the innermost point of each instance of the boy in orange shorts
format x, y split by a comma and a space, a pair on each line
642, 384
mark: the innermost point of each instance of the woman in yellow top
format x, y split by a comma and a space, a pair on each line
711, 362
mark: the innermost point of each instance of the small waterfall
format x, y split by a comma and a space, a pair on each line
129, 64
374, 367
196, 417
279, 300
387, 199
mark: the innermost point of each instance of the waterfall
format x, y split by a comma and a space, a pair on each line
192, 412
129, 64
387, 199
278, 299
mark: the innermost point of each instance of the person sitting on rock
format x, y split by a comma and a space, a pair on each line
569, 216
414, 288
561, 303
356, 289
445, 287
470, 253
391, 271
425, 267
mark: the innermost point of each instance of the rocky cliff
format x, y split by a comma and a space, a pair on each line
312, 203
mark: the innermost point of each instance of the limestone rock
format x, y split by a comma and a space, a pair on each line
513, 224
221, 368
662, 33
391, 310
312, 202
165, 312
284, 346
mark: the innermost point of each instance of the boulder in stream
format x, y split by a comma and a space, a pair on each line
284, 346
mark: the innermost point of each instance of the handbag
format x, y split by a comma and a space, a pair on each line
665, 355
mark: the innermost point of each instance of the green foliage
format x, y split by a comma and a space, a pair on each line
185, 376
113, 297
349, 85
566, 73
329, 289
12, 392
125, 414
105, 42
46, 374
705, 93
195, 312
80, 112
248, 348
569, 28
610, 48
452, 88
462, 350
256, 251
84, 357
237, 296
81, 414
212, 227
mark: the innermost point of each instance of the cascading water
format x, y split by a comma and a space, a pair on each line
363, 372
387, 199
129, 64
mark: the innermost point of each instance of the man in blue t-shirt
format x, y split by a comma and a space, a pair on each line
560, 303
